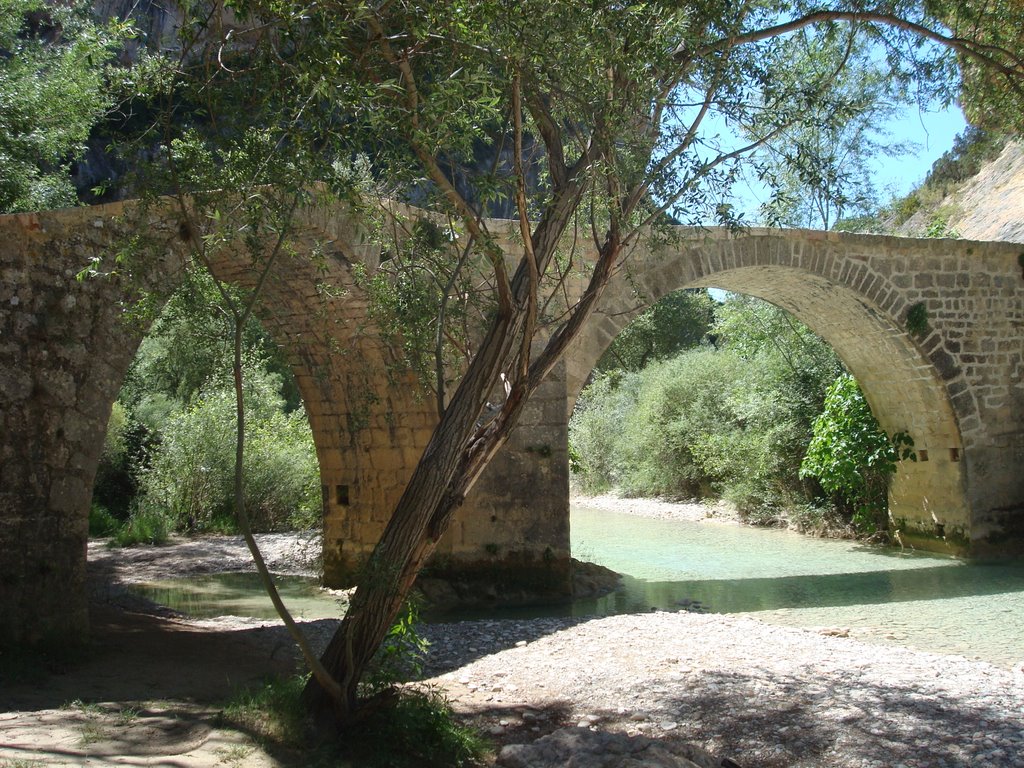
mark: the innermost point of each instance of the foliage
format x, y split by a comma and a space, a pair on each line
595, 427
191, 476
852, 457
183, 359
272, 712
411, 727
732, 421
678, 321
729, 422
917, 319
101, 522
992, 96
817, 169
971, 148
188, 346
401, 655
143, 526
56, 83
114, 485
418, 731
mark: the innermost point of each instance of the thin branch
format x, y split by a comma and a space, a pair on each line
474, 224
524, 229
985, 54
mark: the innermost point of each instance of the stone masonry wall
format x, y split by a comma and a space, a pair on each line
65, 345
957, 388
63, 351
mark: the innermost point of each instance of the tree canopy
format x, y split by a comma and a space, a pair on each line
57, 80
630, 113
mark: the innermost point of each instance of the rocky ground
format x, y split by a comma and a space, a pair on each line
659, 689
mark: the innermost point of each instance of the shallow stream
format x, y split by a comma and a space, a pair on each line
923, 601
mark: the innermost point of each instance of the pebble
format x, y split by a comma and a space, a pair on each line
766, 696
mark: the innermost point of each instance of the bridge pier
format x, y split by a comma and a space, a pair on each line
509, 542
958, 388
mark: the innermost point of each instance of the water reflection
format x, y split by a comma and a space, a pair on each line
242, 594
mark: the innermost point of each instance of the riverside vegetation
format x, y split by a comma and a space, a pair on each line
614, 97
758, 411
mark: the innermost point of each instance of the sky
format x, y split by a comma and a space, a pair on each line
933, 132
929, 134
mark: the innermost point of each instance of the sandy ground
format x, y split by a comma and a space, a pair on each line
149, 691
662, 509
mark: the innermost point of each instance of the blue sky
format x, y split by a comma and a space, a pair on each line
932, 132
929, 135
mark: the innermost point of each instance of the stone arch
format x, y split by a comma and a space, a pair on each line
68, 349
842, 288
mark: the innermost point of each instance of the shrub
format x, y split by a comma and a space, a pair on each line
852, 457
420, 731
595, 443
192, 472
143, 526
116, 483
101, 522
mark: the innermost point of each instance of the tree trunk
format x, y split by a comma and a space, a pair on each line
458, 451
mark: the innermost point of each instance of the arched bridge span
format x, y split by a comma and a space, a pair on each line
956, 387
65, 347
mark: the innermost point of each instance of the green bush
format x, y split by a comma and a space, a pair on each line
101, 522
732, 421
595, 440
143, 526
191, 477
852, 457
420, 731
706, 423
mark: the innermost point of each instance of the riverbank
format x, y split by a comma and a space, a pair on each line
662, 509
670, 683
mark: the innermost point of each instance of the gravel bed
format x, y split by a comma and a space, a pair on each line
670, 689
758, 694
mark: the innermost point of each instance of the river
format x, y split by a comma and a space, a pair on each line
876, 594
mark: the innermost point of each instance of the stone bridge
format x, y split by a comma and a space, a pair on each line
67, 343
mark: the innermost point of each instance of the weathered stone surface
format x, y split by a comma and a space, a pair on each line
958, 391
65, 345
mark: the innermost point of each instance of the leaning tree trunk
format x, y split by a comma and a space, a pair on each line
458, 451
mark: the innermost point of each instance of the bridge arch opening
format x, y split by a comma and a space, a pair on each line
367, 419
902, 386
169, 452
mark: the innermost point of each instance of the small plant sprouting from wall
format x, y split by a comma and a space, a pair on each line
1020, 262
917, 320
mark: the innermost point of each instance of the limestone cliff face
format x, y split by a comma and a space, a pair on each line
989, 206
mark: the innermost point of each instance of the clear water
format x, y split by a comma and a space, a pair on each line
242, 594
929, 602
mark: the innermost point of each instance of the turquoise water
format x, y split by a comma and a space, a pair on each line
242, 594
924, 601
